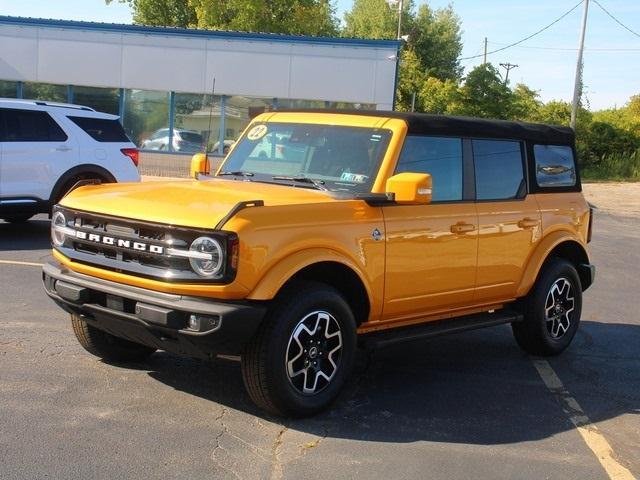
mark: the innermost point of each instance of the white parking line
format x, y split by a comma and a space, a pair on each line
17, 262
589, 432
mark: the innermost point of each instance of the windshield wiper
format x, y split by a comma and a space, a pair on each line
319, 184
236, 173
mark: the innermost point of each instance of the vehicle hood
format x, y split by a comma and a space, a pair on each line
190, 203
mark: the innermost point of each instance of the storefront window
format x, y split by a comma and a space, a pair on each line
45, 91
196, 122
100, 99
293, 104
146, 118
239, 111
8, 89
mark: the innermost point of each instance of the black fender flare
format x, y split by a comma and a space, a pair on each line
77, 173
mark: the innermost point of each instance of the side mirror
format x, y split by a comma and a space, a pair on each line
410, 188
199, 165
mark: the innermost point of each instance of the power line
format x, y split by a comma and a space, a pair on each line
569, 49
615, 19
530, 36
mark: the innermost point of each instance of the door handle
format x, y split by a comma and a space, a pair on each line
63, 149
462, 227
528, 223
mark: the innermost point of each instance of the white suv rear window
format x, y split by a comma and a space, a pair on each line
101, 129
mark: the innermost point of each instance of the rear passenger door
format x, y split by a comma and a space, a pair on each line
35, 152
431, 249
509, 219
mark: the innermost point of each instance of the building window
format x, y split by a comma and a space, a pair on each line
8, 89
146, 118
239, 111
100, 99
196, 122
45, 91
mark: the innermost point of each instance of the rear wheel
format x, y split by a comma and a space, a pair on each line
551, 310
303, 353
106, 346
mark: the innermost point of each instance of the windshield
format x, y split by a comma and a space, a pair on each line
338, 158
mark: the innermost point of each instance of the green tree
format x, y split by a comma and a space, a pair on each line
436, 38
411, 77
526, 103
298, 17
373, 19
441, 97
165, 13
484, 94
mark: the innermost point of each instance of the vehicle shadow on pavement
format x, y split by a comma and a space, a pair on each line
31, 235
473, 388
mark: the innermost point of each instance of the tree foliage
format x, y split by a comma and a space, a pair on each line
298, 17
165, 13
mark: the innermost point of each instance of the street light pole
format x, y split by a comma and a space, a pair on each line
400, 20
577, 88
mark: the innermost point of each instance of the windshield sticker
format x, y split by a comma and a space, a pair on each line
257, 132
353, 177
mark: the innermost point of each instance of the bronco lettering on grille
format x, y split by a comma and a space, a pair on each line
119, 242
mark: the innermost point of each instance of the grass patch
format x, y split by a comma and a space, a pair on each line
615, 167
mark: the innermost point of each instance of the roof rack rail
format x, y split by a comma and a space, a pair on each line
63, 105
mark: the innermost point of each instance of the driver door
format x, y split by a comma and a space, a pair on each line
431, 250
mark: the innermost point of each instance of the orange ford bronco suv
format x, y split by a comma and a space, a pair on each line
322, 230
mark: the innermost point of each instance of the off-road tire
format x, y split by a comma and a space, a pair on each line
106, 346
264, 361
534, 333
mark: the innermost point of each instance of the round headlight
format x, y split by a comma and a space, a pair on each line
58, 223
211, 262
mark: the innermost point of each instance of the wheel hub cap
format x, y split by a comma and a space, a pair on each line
314, 352
559, 307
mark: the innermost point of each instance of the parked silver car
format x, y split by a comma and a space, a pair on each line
182, 141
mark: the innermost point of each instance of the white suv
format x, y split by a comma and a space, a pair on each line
46, 148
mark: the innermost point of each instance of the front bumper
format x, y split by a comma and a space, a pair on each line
156, 319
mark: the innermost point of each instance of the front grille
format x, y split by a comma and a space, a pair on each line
131, 246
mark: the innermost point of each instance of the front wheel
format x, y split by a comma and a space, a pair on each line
551, 310
107, 346
303, 353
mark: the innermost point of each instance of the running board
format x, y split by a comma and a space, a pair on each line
438, 327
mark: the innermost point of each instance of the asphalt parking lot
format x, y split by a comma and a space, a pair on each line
465, 406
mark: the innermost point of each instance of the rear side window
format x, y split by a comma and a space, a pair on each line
441, 157
499, 170
101, 129
555, 165
30, 126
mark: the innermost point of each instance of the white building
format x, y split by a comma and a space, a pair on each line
159, 80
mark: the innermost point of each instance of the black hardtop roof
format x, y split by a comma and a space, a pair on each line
428, 124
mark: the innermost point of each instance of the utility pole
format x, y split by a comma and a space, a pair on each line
577, 88
508, 66
400, 20
484, 62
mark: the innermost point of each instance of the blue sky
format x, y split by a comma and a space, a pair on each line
611, 75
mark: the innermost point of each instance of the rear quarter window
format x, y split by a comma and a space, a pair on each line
555, 165
101, 129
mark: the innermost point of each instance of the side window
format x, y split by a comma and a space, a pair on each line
31, 126
555, 165
441, 157
499, 171
101, 129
